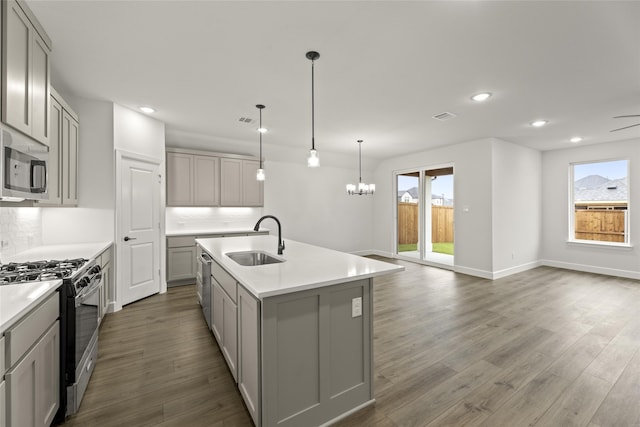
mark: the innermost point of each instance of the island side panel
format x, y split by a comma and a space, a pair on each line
317, 357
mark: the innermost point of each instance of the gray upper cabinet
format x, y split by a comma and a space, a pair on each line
202, 178
231, 180
70, 132
252, 189
192, 180
239, 185
205, 181
179, 179
25, 76
63, 154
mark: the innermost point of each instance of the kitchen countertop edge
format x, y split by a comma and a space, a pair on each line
18, 300
88, 250
284, 279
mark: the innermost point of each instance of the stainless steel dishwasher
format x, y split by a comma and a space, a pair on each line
204, 274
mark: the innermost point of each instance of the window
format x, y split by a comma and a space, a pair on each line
600, 202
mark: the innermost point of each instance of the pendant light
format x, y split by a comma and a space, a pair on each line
313, 161
261, 130
361, 189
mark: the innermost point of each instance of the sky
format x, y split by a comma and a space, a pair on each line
613, 170
443, 184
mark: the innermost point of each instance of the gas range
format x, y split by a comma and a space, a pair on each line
35, 271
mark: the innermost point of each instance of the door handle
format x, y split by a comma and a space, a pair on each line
127, 238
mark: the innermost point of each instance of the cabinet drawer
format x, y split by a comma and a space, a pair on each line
2, 367
181, 241
22, 336
225, 280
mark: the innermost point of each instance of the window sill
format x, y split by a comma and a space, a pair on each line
592, 244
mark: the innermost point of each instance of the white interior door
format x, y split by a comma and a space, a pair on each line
139, 229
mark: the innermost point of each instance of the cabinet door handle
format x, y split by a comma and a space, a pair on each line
127, 238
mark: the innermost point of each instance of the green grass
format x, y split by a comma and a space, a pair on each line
408, 247
442, 248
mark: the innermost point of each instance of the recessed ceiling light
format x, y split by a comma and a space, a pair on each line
147, 110
481, 96
539, 123
262, 130
576, 139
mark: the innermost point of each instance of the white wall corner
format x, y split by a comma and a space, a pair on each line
484, 274
516, 269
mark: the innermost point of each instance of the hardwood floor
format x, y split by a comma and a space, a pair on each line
546, 347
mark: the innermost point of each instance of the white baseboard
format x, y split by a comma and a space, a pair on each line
517, 269
473, 272
493, 275
592, 269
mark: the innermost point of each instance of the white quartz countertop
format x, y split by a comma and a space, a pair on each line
305, 266
60, 252
18, 300
176, 233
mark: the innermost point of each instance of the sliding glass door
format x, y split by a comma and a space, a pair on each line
424, 215
408, 214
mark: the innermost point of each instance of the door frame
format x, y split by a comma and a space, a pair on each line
119, 234
422, 209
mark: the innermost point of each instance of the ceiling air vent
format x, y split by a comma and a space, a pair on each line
247, 120
444, 116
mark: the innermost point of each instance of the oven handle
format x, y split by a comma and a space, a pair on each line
87, 293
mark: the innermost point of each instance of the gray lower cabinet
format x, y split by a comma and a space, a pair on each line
301, 358
182, 261
249, 352
316, 356
3, 398
32, 378
104, 260
225, 325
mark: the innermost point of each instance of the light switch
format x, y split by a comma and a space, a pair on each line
356, 307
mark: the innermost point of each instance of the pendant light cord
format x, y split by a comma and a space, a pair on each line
260, 138
313, 137
360, 160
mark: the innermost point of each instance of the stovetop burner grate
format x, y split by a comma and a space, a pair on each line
23, 272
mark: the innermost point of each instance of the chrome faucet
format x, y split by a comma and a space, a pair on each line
280, 241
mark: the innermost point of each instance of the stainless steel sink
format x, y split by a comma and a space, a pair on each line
251, 258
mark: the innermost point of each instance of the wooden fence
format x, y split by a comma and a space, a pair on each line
441, 223
604, 226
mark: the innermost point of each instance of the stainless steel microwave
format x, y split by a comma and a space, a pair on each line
23, 167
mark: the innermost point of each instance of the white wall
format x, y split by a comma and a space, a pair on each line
516, 207
555, 219
137, 133
20, 229
198, 219
472, 189
313, 206
93, 219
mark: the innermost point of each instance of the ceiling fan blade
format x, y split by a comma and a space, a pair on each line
626, 127
631, 115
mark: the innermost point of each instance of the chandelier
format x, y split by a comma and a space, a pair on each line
361, 189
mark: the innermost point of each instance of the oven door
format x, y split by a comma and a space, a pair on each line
86, 305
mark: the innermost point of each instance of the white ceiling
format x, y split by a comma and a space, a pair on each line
385, 68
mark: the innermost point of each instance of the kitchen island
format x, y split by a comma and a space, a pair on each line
297, 334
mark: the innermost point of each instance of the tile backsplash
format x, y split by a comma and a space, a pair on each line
186, 219
20, 229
